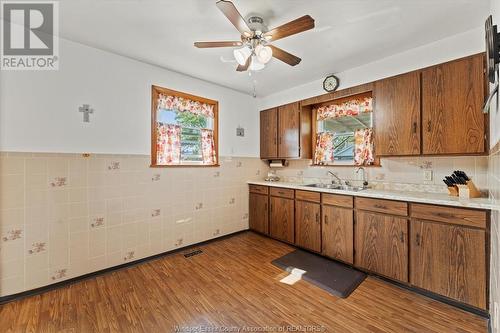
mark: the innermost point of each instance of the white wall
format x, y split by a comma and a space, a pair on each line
495, 106
453, 47
39, 110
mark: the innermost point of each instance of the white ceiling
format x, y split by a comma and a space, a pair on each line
348, 33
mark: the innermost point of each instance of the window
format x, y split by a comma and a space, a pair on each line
184, 129
344, 132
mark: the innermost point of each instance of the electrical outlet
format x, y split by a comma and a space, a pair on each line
428, 175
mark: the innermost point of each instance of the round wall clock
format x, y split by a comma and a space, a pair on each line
331, 83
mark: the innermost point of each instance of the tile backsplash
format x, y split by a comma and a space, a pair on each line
398, 173
65, 215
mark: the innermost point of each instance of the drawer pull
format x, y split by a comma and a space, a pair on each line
380, 206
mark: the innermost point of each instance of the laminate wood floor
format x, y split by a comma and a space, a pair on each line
231, 284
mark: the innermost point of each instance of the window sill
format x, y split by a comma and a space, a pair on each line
186, 166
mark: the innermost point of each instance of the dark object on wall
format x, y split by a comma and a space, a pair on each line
492, 48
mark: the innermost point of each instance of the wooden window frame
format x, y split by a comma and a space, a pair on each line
155, 92
314, 113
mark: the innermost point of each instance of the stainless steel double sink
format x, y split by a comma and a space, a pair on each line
337, 187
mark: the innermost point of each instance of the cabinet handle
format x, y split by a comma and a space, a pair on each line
326, 219
279, 140
317, 217
417, 239
414, 128
265, 206
271, 208
402, 237
429, 126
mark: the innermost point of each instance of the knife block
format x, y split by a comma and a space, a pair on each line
453, 191
468, 191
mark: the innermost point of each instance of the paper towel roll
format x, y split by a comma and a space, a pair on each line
276, 164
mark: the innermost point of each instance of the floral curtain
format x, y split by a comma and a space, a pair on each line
324, 148
184, 104
168, 144
352, 107
208, 146
363, 146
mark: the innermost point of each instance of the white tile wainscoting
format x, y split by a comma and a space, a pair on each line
66, 215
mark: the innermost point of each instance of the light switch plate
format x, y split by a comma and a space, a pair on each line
428, 175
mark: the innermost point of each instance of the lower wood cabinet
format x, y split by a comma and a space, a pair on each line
449, 260
337, 233
259, 213
381, 244
282, 221
308, 225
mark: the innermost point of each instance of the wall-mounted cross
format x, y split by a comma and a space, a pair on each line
85, 108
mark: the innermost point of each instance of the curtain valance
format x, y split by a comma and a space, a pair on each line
351, 107
185, 105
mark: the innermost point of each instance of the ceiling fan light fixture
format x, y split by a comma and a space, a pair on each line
241, 55
264, 53
255, 64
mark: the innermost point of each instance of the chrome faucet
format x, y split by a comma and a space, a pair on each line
365, 182
334, 175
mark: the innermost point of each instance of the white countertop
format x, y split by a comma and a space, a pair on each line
411, 196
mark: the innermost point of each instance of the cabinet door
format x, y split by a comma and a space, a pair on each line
259, 213
337, 233
381, 244
449, 260
453, 97
308, 225
282, 219
397, 116
269, 133
288, 131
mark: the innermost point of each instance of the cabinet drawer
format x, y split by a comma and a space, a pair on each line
282, 192
459, 216
308, 196
337, 200
383, 206
258, 189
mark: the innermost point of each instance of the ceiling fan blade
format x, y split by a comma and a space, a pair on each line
233, 15
202, 45
301, 24
242, 68
284, 56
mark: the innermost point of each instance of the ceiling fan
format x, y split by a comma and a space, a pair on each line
256, 50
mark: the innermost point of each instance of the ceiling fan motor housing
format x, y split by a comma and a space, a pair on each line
256, 23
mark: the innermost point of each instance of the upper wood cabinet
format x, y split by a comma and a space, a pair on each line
285, 132
449, 260
397, 115
269, 133
452, 100
289, 130
381, 244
